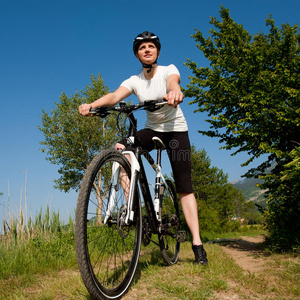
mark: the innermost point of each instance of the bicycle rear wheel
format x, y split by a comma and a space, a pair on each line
107, 249
170, 215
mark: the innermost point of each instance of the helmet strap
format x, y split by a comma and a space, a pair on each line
149, 66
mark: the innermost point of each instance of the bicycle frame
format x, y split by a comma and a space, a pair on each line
152, 211
138, 174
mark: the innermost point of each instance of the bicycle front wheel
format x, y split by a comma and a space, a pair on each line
170, 216
107, 248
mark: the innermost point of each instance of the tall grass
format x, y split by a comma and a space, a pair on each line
42, 244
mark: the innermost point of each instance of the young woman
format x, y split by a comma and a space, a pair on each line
168, 123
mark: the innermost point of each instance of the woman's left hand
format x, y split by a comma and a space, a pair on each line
174, 98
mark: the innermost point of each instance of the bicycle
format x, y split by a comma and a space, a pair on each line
109, 224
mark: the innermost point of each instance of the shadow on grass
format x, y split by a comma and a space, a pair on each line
242, 245
148, 258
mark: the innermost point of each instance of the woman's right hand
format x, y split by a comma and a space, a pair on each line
84, 109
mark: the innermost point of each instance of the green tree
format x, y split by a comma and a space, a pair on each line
292, 169
71, 141
251, 93
216, 197
250, 213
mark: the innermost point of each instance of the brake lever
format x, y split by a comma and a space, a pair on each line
152, 105
99, 111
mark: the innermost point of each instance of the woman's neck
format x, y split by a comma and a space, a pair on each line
150, 75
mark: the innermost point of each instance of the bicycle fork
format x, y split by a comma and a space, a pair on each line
112, 191
135, 167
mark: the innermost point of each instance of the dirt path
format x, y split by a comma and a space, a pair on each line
247, 252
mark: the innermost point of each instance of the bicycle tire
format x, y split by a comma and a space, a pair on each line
169, 212
107, 258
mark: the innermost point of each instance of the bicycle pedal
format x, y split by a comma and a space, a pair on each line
182, 236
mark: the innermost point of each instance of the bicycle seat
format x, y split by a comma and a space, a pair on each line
158, 143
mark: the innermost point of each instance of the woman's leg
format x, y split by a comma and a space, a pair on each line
123, 175
190, 211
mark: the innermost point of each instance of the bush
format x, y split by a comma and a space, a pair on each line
283, 213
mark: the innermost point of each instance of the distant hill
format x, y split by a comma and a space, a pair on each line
249, 187
251, 192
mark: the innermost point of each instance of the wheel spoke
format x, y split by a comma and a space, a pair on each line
169, 211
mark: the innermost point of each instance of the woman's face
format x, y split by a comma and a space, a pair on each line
147, 53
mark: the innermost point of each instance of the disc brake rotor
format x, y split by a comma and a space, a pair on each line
123, 229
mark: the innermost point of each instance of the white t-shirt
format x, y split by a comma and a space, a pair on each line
167, 118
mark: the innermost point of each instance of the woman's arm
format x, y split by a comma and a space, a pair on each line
110, 99
174, 94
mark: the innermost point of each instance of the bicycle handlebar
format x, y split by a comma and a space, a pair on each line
150, 105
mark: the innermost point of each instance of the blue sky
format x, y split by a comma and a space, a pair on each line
50, 47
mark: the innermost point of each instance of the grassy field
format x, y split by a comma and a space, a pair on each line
44, 267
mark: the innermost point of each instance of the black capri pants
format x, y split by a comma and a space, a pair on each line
179, 152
